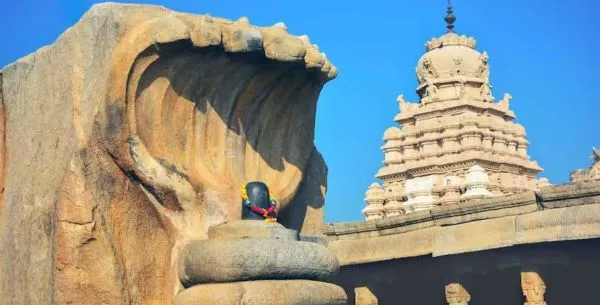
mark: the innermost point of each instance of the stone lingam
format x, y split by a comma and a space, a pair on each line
256, 260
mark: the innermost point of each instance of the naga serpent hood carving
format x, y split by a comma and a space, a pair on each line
150, 123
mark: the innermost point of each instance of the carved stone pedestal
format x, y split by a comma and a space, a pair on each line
456, 294
254, 263
533, 287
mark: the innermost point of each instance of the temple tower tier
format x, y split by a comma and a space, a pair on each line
457, 142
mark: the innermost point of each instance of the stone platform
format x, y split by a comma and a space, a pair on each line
253, 262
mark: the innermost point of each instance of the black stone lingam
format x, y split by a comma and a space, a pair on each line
257, 203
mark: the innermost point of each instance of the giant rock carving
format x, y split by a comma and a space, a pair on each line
132, 133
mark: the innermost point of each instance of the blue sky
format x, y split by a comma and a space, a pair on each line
543, 52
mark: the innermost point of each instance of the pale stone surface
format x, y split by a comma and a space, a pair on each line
494, 207
455, 125
533, 288
586, 192
593, 173
374, 198
409, 244
456, 294
561, 212
477, 183
475, 236
104, 186
292, 292
576, 222
419, 194
208, 261
364, 296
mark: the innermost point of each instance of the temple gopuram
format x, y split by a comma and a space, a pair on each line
457, 142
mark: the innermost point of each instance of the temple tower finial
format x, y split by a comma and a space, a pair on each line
450, 18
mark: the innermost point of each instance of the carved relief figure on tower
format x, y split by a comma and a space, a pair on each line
504, 104
483, 71
405, 107
485, 92
592, 173
429, 68
457, 66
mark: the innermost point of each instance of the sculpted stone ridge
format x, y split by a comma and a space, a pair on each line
131, 135
556, 213
456, 143
590, 174
556, 196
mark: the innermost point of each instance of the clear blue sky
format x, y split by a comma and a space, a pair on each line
544, 52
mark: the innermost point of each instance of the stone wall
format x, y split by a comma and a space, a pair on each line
482, 244
556, 213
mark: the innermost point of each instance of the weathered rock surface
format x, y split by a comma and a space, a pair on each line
242, 229
132, 134
210, 261
296, 292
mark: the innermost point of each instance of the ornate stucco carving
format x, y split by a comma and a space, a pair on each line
592, 173
455, 125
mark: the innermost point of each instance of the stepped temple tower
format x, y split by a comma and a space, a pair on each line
457, 142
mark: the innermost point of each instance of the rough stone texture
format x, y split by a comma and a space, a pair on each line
364, 296
456, 294
405, 223
576, 222
296, 292
207, 261
358, 251
533, 287
132, 134
473, 210
556, 196
475, 236
239, 229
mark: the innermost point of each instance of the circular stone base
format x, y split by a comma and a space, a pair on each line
217, 261
284, 292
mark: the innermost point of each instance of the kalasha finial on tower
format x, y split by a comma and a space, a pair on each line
450, 18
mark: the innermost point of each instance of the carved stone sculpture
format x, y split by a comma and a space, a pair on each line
454, 125
374, 198
456, 294
477, 183
131, 135
533, 288
364, 296
592, 173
